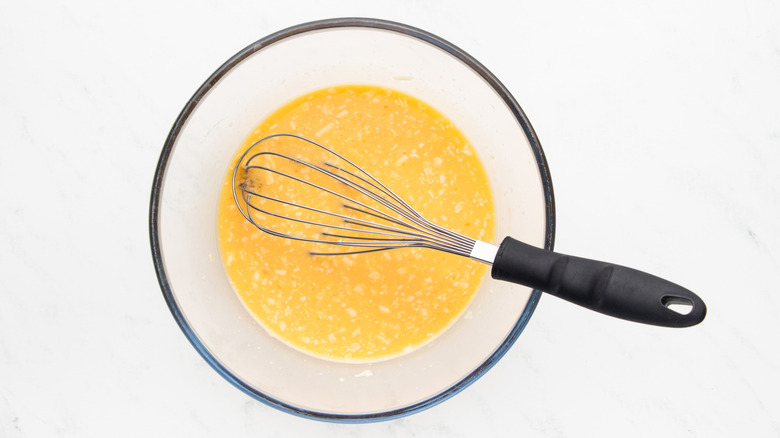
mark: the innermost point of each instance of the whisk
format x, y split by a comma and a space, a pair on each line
356, 213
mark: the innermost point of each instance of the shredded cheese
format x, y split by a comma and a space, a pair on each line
375, 306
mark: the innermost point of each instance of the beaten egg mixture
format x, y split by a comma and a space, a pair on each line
374, 306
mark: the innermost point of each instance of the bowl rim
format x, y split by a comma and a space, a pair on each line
192, 103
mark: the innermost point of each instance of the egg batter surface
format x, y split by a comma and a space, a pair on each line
374, 306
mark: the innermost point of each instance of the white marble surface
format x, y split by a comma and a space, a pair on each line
661, 124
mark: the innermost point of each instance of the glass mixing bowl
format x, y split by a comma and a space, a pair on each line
196, 157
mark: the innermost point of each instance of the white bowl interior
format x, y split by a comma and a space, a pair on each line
200, 157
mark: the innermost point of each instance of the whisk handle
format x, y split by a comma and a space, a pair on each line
604, 287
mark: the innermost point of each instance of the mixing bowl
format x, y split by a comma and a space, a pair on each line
196, 157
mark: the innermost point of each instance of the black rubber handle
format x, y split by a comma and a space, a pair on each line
610, 289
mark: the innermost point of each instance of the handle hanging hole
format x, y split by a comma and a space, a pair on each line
680, 305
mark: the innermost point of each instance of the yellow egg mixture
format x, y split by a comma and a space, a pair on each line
365, 307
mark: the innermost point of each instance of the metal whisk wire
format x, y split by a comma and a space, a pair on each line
375, 230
